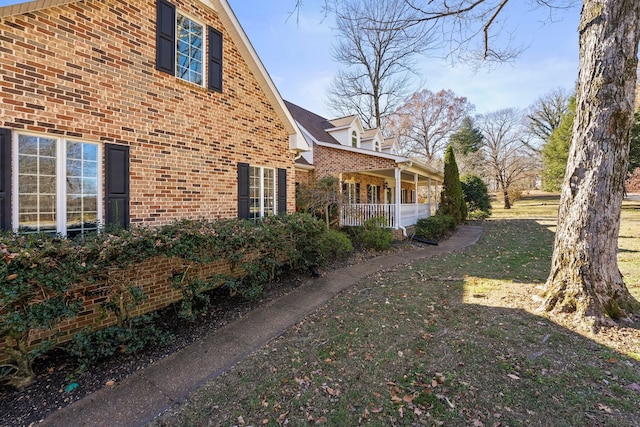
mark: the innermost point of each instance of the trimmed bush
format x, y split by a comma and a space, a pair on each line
372, 234
435, 227
40, 274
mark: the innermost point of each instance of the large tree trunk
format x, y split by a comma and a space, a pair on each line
584, 277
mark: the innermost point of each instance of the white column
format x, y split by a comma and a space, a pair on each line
429, 195
398, 176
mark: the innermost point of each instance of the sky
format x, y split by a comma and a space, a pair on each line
296, 51
297, 55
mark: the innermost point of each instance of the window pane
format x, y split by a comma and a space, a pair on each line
47, 166
28, 184
28, 204
46, 185
74, 167
28, 165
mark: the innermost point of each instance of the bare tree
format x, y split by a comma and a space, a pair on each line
545, 114
507, 158
378, 51
426, 121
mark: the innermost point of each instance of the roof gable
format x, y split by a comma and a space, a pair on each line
240, 39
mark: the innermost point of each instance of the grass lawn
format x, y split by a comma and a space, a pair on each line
454, 341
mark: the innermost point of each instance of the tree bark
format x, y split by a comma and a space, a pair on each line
584, 277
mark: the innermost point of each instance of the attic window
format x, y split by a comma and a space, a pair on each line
180, 48
377, 146
189, 50
354, 139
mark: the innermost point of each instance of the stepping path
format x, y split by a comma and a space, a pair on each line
144, 395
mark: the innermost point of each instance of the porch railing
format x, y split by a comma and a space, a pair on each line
355, 214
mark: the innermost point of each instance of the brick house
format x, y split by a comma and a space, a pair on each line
375, 180
137, 111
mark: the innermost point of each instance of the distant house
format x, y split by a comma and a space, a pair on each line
375, 180
137, 111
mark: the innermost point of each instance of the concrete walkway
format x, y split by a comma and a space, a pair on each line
144, 395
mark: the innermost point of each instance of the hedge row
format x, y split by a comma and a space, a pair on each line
39, 274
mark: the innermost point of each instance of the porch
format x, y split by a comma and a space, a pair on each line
401, 195
355, 214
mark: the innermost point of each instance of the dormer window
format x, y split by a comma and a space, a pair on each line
354, 139
377, 146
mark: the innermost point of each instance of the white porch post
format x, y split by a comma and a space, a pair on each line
398, 192
429, 194
416, 207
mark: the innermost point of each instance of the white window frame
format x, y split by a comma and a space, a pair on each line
204, 50
355, 139
351, 192
372, 196
61, 176
262, 194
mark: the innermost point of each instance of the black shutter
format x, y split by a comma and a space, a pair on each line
117, 185
5, 179
357, 192
282, 191
215, 60
243, 190
166, 37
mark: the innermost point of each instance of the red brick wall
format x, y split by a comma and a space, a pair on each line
331, 162
87, 70
153, 276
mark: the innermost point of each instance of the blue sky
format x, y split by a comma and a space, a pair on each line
296, 53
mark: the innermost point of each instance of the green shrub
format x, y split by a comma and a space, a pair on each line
476, 196
37, 276
372, 234
435, 227
92, 346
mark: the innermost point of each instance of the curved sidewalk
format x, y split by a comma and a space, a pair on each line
144, 395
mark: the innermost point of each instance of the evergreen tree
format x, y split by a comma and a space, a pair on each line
452, 200
556, 151
476, 194
468, 138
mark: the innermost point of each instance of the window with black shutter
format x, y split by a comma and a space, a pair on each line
180, 44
